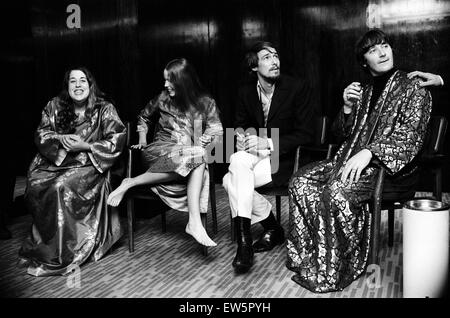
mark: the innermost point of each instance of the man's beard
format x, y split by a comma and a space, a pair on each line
272, 79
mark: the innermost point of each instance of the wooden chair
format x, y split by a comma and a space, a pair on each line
143, 192
319, 146
431, 158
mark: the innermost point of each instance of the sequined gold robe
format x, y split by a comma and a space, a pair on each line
329, 234
66, 193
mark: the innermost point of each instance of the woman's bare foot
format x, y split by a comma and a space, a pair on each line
200, 235
116, 196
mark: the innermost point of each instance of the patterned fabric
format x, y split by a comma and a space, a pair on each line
66, 193
329, 234
175, 147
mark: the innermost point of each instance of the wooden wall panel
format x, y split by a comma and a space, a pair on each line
127, 43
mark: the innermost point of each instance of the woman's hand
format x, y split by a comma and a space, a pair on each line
355, 165
141, 145
352, 93
67, 141
205, 140
74, 143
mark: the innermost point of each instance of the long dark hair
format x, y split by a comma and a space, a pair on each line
65, 119
188, 88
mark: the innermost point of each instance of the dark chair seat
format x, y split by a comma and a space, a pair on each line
278, 192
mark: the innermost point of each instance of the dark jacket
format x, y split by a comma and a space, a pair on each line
291, 112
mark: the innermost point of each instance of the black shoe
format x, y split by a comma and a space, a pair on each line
243, 260
23, 262
5, 234
268, 240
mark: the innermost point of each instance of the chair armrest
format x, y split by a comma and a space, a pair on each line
320, 149
307, 148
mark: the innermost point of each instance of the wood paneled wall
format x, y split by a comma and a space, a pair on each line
127, 43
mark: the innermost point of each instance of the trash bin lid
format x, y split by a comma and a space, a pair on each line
424, 204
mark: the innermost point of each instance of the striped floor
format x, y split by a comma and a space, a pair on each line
171, 265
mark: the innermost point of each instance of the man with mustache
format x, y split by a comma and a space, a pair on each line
273, 113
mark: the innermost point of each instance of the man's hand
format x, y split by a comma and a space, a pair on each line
355, 165
240, 142
254, 143
352, 93
430, 79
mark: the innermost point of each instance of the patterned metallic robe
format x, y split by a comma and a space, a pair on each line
66, 193
329, 234
175, 147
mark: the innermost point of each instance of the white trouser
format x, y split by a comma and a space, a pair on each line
245, 173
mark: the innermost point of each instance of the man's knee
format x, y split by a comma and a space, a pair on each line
297, 181
336, 186
225, 181
241, 159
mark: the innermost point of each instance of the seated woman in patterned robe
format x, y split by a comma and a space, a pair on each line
79, 138
188, 122
383, 124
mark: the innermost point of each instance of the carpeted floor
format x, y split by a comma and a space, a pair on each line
171, 265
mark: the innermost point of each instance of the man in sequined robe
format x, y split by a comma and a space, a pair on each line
383, 125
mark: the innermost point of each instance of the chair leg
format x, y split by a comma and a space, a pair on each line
130, 219
278, 206
375, 233
204, 222
438, 184
213, 209
212, 195
391, 218
232, 231
163, 222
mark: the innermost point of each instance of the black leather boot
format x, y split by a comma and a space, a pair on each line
272, 236
243, 260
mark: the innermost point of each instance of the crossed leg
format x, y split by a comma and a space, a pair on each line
116, 196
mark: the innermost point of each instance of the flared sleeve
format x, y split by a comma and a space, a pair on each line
149, 115
397, 146
46, 138
213, 126
112, 133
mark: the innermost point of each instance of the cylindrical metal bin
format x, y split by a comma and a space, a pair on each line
425, 248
